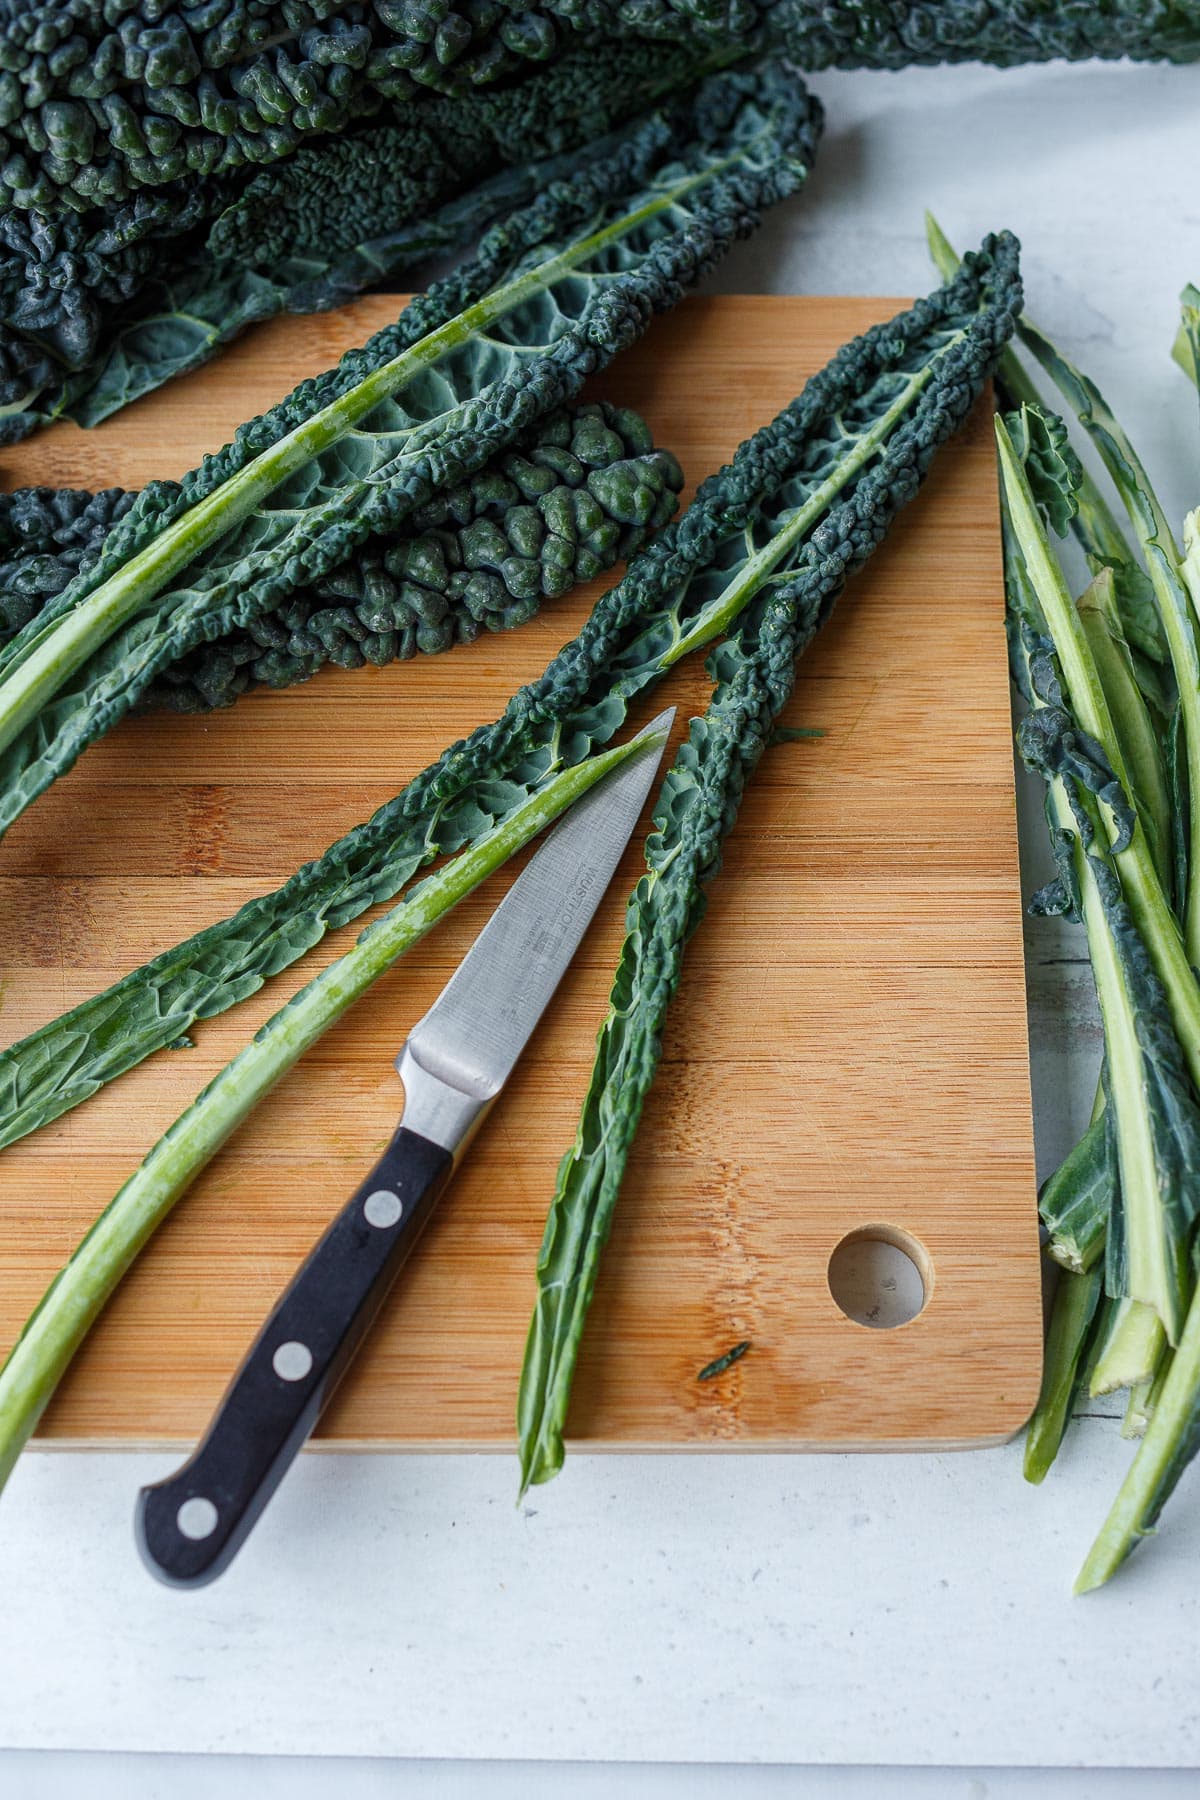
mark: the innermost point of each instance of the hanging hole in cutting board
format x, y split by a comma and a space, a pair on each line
880, 1276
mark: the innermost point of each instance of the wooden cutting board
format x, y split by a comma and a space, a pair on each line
848, 1051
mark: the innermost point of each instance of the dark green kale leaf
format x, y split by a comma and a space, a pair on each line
98, 309
583, 491
92, 109
47, 536
556, 290
916, 381
672, 597
584, 495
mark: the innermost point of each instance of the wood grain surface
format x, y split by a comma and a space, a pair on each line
848, 1049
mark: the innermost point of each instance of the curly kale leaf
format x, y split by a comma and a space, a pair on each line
81, 134
90, 111
586, 495
581, 492
673, 593
554, 293
114, 111
98, 309
65, 277
806, 539
47, 536
847, 34
1039, 438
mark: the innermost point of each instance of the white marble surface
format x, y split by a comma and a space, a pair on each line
813, 1611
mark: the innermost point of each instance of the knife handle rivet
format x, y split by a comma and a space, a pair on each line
382, 1208
292, 1361
197, 1518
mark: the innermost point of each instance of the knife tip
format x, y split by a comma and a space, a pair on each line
660, 726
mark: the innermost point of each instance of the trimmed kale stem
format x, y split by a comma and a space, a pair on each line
1074, 1307
1095, 523
78, 1293
1176, 609
36, 671
1134, 1344
1134, 729
1157, 1465
1150, 1118
1143, 889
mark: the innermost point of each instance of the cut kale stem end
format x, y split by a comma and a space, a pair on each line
83, 1286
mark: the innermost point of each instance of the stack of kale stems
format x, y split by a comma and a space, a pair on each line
169, 181
1110, 681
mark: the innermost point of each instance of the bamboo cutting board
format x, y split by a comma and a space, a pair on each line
848, 1051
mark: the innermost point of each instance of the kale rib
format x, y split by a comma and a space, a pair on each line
582, 490
579, 701
1081, 1197
1129, 1188
1133, 938
1092, 520
1177, 609
1089, 705
80, 1290
1130, 1348
1073, 1310
1100, 618
554, 293
786, 575
46, 536
1171, 1440
1075, 1201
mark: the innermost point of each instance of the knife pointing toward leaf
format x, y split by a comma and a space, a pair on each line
453, 1066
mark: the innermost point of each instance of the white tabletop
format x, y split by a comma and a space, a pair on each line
701, 1609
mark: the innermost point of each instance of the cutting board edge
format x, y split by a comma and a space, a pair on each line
758, 1446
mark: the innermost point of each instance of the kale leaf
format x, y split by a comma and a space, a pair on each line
555, 291
92, 111
97, 309
582, 491
858, 444
673, 594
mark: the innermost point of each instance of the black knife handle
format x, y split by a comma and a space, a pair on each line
190, 1526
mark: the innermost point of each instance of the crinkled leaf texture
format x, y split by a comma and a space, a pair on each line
99, 310
221, 85
579, 492
848, 455
1039, 438
758, 132
554, 293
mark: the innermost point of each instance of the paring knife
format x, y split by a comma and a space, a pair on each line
453, 1066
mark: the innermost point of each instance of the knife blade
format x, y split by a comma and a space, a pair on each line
453, 1065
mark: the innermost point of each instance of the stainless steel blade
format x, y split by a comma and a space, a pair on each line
461, 1053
